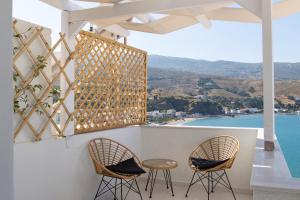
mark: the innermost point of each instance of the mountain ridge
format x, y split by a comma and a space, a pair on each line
231, 69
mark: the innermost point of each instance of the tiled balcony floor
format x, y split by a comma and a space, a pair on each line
196, 193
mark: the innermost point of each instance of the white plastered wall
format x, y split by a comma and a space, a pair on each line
178, 142
6, 106
61, 169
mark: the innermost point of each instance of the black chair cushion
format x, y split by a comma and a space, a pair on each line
126, 167
204, 164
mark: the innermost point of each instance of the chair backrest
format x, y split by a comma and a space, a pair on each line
105, 152
217, 148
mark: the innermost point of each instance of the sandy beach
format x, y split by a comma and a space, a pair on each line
181, 121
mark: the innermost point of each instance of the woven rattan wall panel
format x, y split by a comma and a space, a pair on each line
110, 86
38, 101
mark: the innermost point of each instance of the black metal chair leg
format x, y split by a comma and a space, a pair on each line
121, 189
230, 185
129, 188
212, 182
186, 194
96, 196
208, 184
138, 188
116, 181
108, 187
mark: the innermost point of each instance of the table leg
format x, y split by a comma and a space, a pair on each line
166, 178
148, 179
170, 181
153, 179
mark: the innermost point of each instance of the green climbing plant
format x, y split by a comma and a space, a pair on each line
22, 35
22, 101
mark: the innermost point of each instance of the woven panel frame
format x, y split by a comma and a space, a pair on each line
110, 86
23, 48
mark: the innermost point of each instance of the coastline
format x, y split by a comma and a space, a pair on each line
180, 122
183, 121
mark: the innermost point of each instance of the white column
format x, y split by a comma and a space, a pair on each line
268, 75
6, 107
69, 102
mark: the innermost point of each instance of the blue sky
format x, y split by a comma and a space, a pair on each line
224, 41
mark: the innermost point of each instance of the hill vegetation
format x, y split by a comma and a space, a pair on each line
210, 88
180, 83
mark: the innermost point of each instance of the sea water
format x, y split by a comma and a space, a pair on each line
287, 132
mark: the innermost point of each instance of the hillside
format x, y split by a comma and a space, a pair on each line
169, 82
283, 71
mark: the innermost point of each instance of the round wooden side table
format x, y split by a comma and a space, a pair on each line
154, 165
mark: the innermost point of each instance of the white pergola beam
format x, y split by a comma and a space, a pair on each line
268, 75
285, 8
6, 103
253, 6
234, 15
167, 24
65, 5
162, 26
69, 70
136, 8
